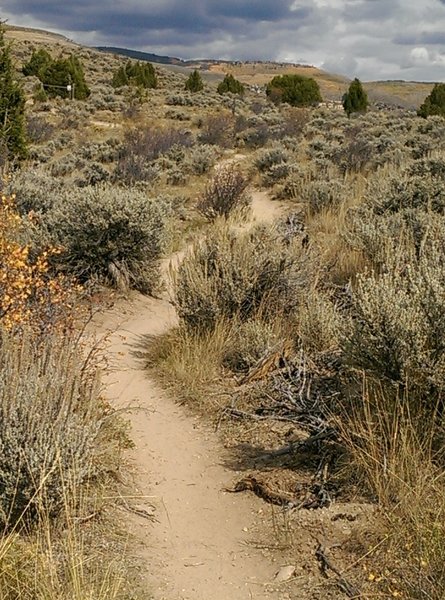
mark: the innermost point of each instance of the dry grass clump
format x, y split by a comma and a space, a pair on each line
391, 441
51, 566
225, 193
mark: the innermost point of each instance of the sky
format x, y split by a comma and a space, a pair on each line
368, 39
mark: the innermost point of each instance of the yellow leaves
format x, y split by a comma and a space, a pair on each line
25, 284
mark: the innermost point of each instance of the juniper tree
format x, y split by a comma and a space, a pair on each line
355, 99
230, 84
434, 104
194, 83
296, 90
12, 105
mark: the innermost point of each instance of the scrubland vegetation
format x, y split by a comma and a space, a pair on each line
330, 321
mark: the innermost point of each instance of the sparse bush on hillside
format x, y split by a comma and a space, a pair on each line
296, 90
141, 148
353, 156
225, 193
38, 129
217, 129
116, 235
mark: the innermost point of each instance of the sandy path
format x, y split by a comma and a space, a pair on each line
198, 549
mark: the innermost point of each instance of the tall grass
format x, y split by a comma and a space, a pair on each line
58, 439
393, 449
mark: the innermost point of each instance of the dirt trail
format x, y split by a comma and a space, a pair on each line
198, 548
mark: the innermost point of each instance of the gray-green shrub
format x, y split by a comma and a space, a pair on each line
230, 274
114, 234
225, 192
399, 321
52, 424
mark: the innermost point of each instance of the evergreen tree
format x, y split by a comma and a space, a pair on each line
56, 75
296, 90
194, 83
230, 84
63, 72
138, 74
434, 104
355, 99
39, 60
120, 78
12, 105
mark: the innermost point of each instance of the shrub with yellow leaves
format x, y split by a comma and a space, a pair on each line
29, 295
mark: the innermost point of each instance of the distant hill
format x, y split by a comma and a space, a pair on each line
147, 56
408, 94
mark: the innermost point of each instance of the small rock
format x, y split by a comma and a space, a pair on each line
285, 573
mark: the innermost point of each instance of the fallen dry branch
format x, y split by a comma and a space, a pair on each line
326, 565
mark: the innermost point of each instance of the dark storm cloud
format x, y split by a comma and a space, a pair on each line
371, 39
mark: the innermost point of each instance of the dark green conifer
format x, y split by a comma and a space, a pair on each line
12, 105
296, 90
194, 83
355, 99
434, 104
230, 84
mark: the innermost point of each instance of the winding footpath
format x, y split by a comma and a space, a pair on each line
197, 548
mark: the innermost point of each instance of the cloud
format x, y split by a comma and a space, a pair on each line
352, 37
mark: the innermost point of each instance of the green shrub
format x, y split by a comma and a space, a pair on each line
230, 84
12, 106
39, 61
296, 90
52, 424
434, 103
355, 99
57, 74
114, 234
194, 83
225, 193
138, 74
229, 274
